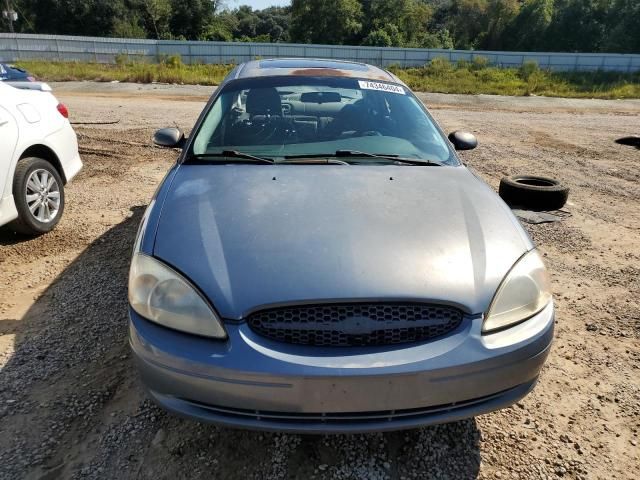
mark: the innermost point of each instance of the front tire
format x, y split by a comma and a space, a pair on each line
38, 193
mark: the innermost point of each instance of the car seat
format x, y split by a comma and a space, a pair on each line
263, 102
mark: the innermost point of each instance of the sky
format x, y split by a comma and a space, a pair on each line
257, 4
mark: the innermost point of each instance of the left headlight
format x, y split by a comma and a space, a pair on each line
162, 295
524, 292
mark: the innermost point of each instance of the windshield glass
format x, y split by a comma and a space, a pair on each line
279, 117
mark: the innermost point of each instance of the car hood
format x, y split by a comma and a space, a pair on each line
251, 236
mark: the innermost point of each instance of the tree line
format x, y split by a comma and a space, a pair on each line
527, 25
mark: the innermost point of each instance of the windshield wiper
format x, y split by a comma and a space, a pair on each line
313, 160
356, 153
234, 154
393, 157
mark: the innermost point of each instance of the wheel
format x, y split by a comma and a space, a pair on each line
535, 193
39, 196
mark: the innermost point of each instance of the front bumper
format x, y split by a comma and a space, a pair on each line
255, 383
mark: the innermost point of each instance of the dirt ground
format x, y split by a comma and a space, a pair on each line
71, 405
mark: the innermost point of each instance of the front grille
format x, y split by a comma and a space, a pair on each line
355, 324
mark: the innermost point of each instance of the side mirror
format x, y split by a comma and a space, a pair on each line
169, 137
463, 140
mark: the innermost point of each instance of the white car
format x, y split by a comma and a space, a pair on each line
38, 156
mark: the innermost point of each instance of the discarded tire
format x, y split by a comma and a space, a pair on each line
534, 193
632, 141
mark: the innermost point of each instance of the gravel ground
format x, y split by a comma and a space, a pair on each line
71, 405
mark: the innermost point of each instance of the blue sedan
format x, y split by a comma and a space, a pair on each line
11, 73
319, 260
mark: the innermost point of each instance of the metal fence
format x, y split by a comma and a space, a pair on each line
15, 47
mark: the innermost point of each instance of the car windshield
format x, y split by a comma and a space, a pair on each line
280, 118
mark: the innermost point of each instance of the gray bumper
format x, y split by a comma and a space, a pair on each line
251, 382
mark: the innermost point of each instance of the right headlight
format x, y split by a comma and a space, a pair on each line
524, 292
162, 295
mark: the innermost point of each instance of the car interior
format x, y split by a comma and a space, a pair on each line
266, 116
312, 119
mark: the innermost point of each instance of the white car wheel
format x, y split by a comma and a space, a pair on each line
39, 196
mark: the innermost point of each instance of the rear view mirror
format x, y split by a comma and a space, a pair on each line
463, 140
321, 97
169, 137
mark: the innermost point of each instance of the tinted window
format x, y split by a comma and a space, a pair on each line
279, 116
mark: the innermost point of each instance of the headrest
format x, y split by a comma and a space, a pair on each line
264, 101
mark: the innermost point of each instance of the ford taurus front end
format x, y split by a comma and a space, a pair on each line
319, 260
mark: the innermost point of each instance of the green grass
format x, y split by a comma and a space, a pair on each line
471, 78
138, 72
437, 76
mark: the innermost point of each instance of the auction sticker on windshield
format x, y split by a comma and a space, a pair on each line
384, 87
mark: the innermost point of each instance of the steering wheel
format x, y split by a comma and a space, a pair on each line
267, 129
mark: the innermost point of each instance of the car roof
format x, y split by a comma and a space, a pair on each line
313, 68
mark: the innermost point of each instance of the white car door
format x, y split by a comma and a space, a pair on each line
8, 140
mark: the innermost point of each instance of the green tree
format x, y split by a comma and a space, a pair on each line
74, 17
378, 38
247, 22
622, 27
191, 19
158, 15
500, 14
270, 25
276, 21
415, 23
403, 21
378, 13
326, 21
578, 25
438, 39
129, 27
556, 25
222, 27
468, 22
528, 29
